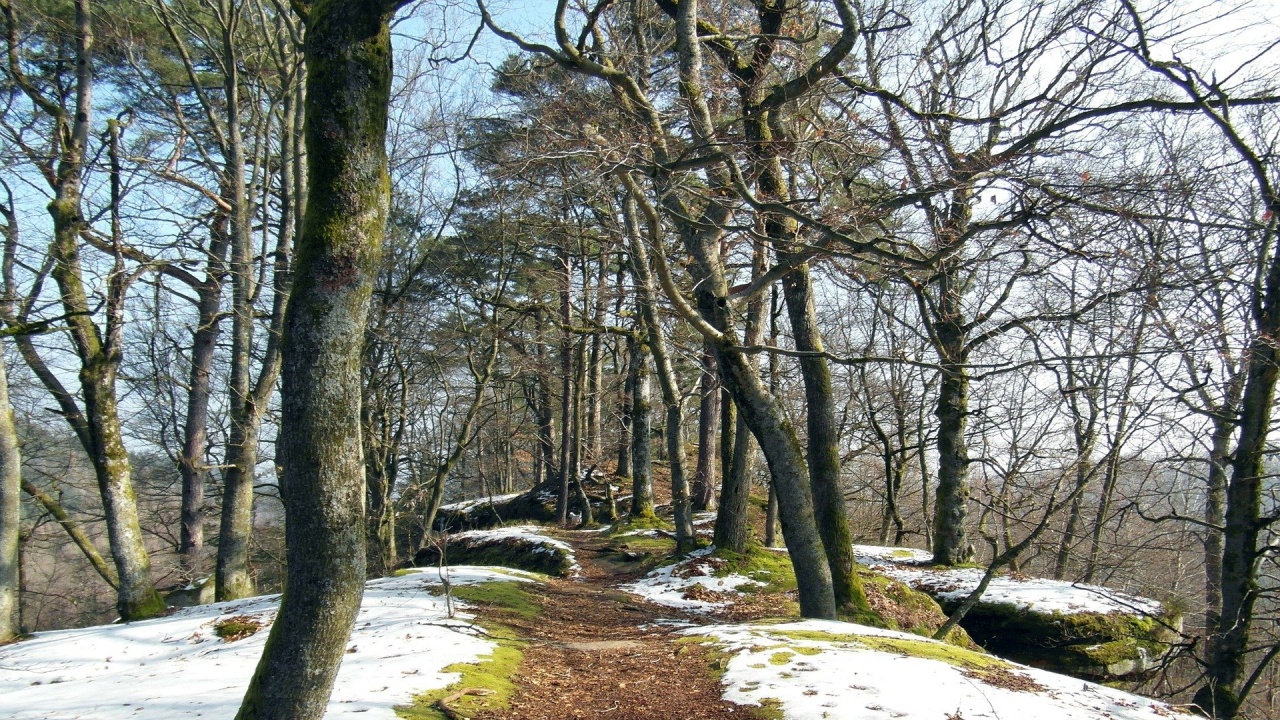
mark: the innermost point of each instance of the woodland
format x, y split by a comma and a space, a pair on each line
286, 285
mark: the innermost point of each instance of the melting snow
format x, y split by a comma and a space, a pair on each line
175, 667
840, 678
674, 585
467, 506
1040, 594
531, 534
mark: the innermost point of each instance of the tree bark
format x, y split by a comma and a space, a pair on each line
623, 468
566, 384
248, 402
99, 353
191, 460
641, 433
672, 399
10, 513
951, 544
1214, 516
704, 477
348, 59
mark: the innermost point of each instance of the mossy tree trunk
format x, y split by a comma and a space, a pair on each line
95, 418
764, 111
348, 59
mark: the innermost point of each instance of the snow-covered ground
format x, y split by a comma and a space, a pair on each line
1042, 595
175, 667
812, 677
686, 584
531, 534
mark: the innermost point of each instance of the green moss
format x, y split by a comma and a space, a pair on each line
406, 571
942, 652
237, 628
769, 709
151, 605
900, 607
771, 570
515, 553
950, 654
808, 650
509, 595
640, 544
1118, 652
1096, 646
643, 522
493, 674
782, 657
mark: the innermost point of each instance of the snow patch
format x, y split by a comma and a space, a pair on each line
840, 677
175, 667
531, 534
678, 585
1040, 595
467, 506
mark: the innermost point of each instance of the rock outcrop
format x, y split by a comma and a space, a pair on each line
1086, 631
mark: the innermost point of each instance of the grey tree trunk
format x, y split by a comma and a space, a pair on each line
248, 398
348, 59
624, 421
1242, 518
99, 352
191, 460
733, 527
1214, 515
672, 399
951, 544
10, 513
704, 476
824, 441
566, 385
95, 418
641, 433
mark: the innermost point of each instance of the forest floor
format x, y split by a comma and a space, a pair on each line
597, 652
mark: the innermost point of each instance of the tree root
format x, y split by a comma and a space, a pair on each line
453, 714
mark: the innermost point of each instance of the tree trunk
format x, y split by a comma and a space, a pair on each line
566, 385
641, 433
823, 451
10, 513
99, 354
348, 59
951, 544
1214, 502
667, 381
595, 373
704, 477
234, 579
824, 441
1226, 668
191, 460
624, 412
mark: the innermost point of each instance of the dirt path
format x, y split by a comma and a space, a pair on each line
595, 652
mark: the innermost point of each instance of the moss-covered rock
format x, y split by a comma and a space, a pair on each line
1086, 631
537, 505
519, 551
200, 592
1094, 646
